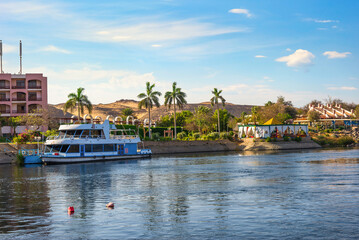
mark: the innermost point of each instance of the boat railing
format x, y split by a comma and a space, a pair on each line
71, 137
123, 136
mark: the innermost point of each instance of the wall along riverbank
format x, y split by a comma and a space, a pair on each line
8, 151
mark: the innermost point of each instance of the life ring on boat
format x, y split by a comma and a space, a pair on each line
35, 152
23, 152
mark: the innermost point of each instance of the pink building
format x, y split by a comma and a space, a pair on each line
22, 93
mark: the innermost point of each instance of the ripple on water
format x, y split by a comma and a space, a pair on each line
294, 194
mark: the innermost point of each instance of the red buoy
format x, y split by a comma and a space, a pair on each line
70, 210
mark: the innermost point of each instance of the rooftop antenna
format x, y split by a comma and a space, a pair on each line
1, 57
20, 57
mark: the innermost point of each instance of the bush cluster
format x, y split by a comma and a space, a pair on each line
334, 141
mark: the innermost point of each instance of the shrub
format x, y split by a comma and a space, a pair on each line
297, 139
268, 139
196, 135
345, 141
286, 138
181, 135
156, 136
223, 135
23, 138
213, 135
20, 159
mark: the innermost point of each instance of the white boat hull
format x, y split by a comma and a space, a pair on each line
60, 159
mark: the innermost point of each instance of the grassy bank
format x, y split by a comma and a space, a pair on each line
333, 140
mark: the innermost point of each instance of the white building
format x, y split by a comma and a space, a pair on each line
273, 131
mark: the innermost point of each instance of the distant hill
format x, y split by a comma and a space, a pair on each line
114, 109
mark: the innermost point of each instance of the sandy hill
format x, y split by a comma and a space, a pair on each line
115, 109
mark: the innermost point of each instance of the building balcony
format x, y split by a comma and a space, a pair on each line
4, 111
18, 87
35, 99
19, 99
18, 111
4, 99
34, 87
4, 87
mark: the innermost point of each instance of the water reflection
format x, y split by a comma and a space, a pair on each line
24, 200
305, 194
336, 161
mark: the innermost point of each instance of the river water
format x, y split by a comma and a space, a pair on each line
286, 195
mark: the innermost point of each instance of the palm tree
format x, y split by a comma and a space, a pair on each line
78, 100
254, 111
176, 97
149, 98
215, 100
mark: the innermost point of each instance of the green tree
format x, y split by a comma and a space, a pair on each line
215, 100
224, 116
254, 111
148, 99
182, 117
175, 97
13, 123
243, 117
313, 116
201, 120
356, 112
282, 110
127, 112
78, 100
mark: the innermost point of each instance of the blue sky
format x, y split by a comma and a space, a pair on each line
253, 50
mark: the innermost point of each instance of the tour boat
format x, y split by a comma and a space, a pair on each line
92, 142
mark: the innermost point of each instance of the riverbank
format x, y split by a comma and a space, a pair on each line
172, 147
8, 151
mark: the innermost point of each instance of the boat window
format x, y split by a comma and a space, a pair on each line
98, 147
109, 147
96, 133
71, 132
64, 148
47, 149
73, 149
88, 148
56, 148
62, 133
85, 133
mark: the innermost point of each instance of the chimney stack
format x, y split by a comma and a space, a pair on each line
1, 56
20, 57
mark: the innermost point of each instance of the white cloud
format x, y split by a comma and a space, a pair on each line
324, 21
266, 78
334, 54
52, 48
321, 20
343, 88
299, 58
101, 85
156, 45
260, 56
30, 10
241, 11
155, 31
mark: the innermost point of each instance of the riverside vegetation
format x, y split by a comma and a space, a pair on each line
203, 123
